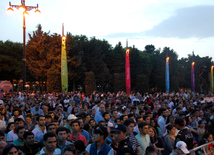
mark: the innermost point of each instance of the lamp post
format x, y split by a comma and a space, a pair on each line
25, 9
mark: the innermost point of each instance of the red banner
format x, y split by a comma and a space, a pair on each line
127, 73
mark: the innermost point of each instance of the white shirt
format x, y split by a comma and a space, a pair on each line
2, 124
11, 136
38, 134
56, 152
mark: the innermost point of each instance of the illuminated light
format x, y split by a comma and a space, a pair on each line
193, 63
167, 58
63, 38
26, 13
21, 8
37, 11
10, 11
127, 51
212, 66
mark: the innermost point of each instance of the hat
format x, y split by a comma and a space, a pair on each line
71, 116
183, 146
119, 128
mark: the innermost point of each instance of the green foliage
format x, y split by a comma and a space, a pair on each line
93, 62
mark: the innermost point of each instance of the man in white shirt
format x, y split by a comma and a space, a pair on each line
40, 129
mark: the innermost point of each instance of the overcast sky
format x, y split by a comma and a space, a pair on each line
182, 25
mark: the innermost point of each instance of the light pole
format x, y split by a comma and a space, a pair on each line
25, 9
167, 74
211, 78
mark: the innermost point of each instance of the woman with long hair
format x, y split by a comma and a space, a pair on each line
10, 127
10, 149
169, 140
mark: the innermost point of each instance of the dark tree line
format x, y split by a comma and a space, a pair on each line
95, 64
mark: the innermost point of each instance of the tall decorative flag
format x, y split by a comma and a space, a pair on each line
127, 71
211, 78
193, 74
64, 67
167, 74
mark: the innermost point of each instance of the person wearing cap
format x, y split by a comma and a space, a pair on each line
125, 145
181, 149
99, 147
70, 118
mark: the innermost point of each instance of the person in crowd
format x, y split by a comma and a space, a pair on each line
181, 149
20, 133
98, 117
79, 147
143, 136
3, 144
162, 119
36, 109
62, 134
51, 127
10, 149
50, 143
9, 127
69, 151
70, 118
99, 147
169, 140
201, 129
150, 150
114, 115
30, 146
184, 134
40, 129
12, 136
125, 145
129, 123
75, 135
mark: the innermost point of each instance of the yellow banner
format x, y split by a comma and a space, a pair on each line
64, 66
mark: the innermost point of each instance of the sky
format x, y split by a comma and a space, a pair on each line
184, 26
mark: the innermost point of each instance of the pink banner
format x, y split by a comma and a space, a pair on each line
127, 73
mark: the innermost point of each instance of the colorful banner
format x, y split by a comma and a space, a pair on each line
211, 79
167, 74
127, 73
64, 67
193, 77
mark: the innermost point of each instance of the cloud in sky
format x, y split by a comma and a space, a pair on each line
189, 22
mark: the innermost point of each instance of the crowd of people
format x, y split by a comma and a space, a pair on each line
104, 123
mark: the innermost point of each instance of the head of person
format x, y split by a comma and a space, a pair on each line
146, 118
16, 112
18, 122
21, 150
106, 116
162, 112
119, 132
114, 113
10, 149
2, 146
179, 123
139, 119
102, 108
150, 150
29, 138
75, 126
92, 123
208, 136
37, 105
2, 136
71, 118
28, 118
181, 148
20, 132
69, 151
48, 119
50, 141
201, 124
171, 129
123, 118
10, 127
143, 128
62, 134
79, 147
81, 123
129, 123
100, 134
41, 120
51, 127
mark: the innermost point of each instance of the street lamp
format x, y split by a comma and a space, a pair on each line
23, 8
167, 74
